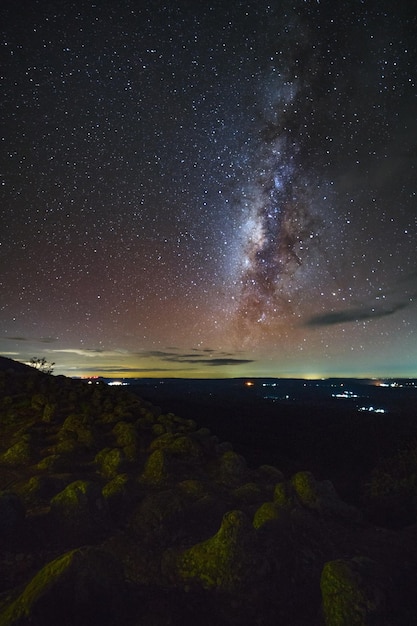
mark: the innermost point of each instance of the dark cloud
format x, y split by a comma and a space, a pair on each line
122, 370
37, 339
358, 314
403, 296
198, 357
225, 361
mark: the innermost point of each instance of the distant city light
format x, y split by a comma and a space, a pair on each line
371, 409
345, 395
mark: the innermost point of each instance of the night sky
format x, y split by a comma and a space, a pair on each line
209, 189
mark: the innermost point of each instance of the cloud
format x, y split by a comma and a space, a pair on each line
90, 352
402, 296
220, 362
357, 314
198, 357
119, 370
36, 339
170, 359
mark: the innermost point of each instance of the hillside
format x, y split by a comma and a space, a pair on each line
112, 511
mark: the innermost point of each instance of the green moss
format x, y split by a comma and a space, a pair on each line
110, 461
346, 601
51, 463
19, 454
116, 488
73, 493
249, 493
156, 469
83, 586
127, 438
192, 488
41, 487
218, 562
305, 486
38, 586
158, 429
283, 495
49, 412
38, 401
78, 427
230, 468
66, 447
267, 512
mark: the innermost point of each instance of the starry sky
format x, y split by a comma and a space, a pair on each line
209, 189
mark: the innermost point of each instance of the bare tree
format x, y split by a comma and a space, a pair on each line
42, 365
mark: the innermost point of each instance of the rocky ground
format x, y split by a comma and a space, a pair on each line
112, 512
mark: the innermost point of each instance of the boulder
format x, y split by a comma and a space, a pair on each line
84, 586
351, 595
222, 561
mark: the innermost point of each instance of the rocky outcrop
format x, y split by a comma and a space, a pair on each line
113, 512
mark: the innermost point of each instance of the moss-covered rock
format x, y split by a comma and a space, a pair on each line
283, 495
249, 493
267, 513
156, 471
79, 427
159, 517
20, 453
350, 594
270, 474
322, 497
85, 586
306, 488
127, 438
49, 412
192, 488
110, 462
222, 561
230, 469
80, 510
54, 463
119, 495
39, 488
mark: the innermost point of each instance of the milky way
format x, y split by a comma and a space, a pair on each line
225, 189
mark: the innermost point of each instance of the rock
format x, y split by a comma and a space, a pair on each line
119, 495
159, 516
80, 427
284, 495
156, 469
127, 438
18, 454
249, 493
267, 512
322, 497
80, 511
42, 487
85, 586
230, 469
351, 595
222, 561
110, 461
269, 473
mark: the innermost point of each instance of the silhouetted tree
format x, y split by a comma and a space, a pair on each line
42, 365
